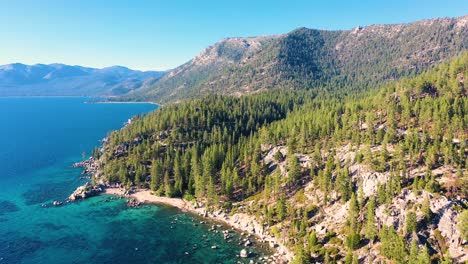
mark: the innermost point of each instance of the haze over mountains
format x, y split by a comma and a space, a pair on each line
64, 80
306, 58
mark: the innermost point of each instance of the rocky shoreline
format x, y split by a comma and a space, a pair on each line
247, 224
240, 221
90, 166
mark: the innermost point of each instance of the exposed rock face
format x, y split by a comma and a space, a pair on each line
85, 191
445, 218
448, 228
361, 174
239, 49
395, 213
370, 179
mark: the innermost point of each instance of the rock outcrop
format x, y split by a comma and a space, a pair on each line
90, 166
244, 253
85, 191
445, 218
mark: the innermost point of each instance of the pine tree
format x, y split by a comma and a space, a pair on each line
381, 194
199, 180
361, 196
431, 185
317, 156
392, 244
313, 242
300, 257
281, 209
424, 257
267, 189
371, 229
463, 224
426, 208
138, 176
353, 238
168, 188
414, 253
294, 170
411, 222
211, 192
276, 183
229, 188
415, 185
122, 174
303, 226
179, 181
349, 257
326, 259
344, 185
156, 172
268, 215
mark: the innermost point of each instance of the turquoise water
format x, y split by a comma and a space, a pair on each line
39, 140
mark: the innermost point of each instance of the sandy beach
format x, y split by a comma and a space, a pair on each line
145, 196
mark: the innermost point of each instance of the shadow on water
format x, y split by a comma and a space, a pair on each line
44, 192
13, 247
71, 242
51, 226
7, 207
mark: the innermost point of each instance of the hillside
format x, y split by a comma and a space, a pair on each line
65, 80
338, 61
379, 178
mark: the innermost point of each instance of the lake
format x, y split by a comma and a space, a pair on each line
40, 138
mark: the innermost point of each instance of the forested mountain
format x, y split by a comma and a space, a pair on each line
379, 176
339, 61
64, 80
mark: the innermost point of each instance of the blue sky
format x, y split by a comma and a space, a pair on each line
157, 35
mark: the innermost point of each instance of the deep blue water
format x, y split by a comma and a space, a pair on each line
39, 140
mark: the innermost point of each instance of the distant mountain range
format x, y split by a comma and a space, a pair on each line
339, 61
64, 80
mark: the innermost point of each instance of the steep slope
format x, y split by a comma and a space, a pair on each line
376, 179
59, 79
306, 58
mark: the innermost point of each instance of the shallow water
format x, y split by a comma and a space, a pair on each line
40, 138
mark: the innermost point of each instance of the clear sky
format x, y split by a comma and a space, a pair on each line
158, 35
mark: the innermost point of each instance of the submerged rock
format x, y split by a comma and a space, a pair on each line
133, 202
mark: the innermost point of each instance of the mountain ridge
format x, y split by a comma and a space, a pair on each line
55, 79
309, 58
